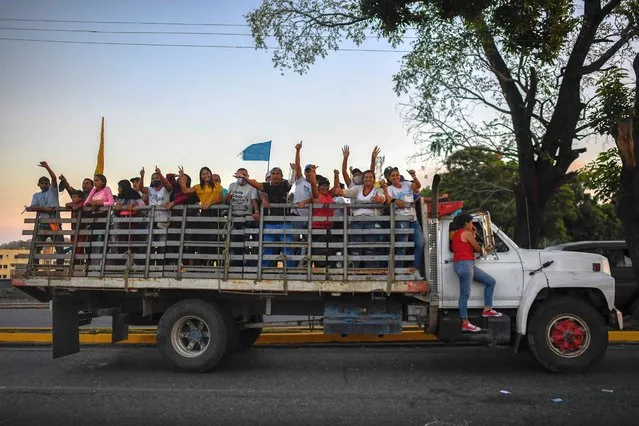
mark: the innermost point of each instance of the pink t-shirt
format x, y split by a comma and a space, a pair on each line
103, 195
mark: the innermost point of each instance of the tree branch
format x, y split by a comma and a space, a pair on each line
627, 34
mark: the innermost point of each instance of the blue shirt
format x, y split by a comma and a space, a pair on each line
48, 198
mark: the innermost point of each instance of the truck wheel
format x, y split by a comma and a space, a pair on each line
567, 335
192, 335
249, 336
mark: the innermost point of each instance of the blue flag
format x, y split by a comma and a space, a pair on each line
257, 152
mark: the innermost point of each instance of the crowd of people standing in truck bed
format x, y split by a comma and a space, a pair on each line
246, 195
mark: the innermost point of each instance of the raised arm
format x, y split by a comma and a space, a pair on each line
298, 168
345, 153
255, 184
54, 179
416, 185
335, 187
143, 189
185, 190
64, 183
313, 181
167, 185
374, 155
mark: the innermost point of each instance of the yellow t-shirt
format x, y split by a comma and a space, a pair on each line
208, 195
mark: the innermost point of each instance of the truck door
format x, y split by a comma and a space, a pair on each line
504, 265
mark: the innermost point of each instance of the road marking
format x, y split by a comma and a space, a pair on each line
147, 337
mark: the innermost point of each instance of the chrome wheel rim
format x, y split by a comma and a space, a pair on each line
190, 336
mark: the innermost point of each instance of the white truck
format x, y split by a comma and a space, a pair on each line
208, 280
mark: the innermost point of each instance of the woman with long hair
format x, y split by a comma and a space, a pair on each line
465, 246
365, 194
208, 193
125, 205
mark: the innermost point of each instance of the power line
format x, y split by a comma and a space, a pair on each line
161, 32
75, 21
72, 30
210, 46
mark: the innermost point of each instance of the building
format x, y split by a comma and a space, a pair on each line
9, 259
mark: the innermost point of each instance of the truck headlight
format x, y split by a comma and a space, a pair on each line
605, 266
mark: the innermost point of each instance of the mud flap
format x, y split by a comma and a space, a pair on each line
119, 327
66, 330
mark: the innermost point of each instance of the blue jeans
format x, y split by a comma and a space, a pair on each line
364, 238
285, 236
418, 236
467, 272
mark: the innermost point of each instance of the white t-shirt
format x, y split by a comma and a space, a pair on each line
404, 193
160, 198
302, 192
357, 194
241, 199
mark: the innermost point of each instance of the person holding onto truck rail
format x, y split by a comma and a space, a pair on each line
465, 246
46, 203
245, 211
401, 198
366, 193
276, 193
209, 193
87, 185
100, 196
323, 194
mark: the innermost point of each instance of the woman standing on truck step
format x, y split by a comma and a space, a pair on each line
465, 246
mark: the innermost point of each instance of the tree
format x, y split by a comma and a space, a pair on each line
618, 111
522, 63
484, 181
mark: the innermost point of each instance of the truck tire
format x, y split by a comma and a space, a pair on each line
192, 335
567, 335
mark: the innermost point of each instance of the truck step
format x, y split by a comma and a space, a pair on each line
494, 331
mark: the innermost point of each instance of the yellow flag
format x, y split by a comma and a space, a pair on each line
99, 168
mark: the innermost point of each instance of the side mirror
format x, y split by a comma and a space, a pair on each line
489, 238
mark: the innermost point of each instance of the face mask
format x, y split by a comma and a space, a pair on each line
156, 183
358, 179
241, 181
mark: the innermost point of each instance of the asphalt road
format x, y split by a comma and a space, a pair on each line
315, 386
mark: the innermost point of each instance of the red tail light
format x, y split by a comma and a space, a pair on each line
596, 267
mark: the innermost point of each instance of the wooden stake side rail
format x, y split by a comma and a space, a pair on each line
265, 286
214, 249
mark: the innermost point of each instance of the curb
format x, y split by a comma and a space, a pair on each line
140, 336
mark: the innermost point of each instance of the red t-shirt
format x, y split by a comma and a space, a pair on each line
324, 212
461, 250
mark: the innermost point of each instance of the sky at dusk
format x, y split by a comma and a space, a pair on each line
170, 106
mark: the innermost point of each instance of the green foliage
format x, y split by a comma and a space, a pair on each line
614, 100
484, 181
602, 175
515, 63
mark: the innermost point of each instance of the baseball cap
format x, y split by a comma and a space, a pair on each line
356, 171
307, 167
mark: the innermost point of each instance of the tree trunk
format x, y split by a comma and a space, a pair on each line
627, 204
532, 194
